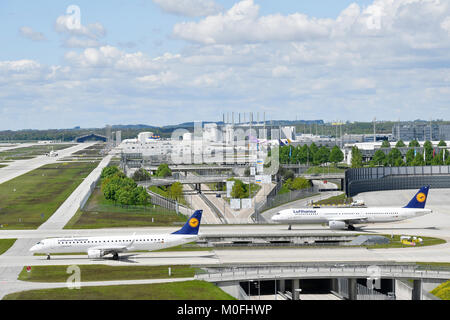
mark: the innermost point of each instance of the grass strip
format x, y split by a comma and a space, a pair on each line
185, 290
5, 244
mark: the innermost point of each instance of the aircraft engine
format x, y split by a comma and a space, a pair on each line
94, 254
337, 225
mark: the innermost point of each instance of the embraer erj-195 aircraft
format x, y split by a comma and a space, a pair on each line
345, 218
97, 247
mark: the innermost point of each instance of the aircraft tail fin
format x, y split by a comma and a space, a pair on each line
192, 225
419, 200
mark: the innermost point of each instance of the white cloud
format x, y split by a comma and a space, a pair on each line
74, 42
242, 24
243, 59
189, 8
280, 71
116, 60
77, 35
162, 79
29, 33
19, 65
445, 25
65, 24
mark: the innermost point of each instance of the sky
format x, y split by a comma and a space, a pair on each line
160, 62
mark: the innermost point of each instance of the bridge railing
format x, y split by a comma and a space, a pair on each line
271, 272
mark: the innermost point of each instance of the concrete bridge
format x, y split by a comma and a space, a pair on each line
234, 275
338, 270
195, 180
324, 176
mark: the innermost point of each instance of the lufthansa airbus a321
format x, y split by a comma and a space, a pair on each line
346, 218
98, 247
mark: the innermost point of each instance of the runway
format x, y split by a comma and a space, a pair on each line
10, 271
18, 167
131, 259
438, 253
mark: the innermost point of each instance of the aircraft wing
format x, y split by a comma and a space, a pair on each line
350, 219
111, 249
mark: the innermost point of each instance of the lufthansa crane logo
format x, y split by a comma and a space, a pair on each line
193, 222
421, 197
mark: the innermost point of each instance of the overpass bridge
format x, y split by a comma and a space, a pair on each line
343, 277
322, 271
195, 180
324, 176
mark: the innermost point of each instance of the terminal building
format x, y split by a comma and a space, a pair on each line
210, 143
421, 132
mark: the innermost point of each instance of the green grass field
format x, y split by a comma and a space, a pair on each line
165, 194
30, 199
319, 170
5, 244
31, 152
102, 213
185, 290
442, 291
106, 273
395, 243
340, 199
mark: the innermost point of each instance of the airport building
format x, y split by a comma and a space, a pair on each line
395, 178
421, 132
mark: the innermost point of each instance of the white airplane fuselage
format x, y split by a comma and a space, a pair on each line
355, 215
126, 243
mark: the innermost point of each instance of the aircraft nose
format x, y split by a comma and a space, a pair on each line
33, 248
275, 218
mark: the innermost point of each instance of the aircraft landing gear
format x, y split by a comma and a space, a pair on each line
290, 227
115, 256
350, 227
48, 256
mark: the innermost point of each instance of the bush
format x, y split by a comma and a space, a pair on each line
296, 184
121, 189
109, 171
163, 171
141, 175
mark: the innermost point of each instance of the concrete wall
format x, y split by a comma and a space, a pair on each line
233, 289
403, 290
395, 178
429, 285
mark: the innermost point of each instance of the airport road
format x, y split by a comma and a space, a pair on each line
20, 167
18, 145
131, 259
438, 253
195, 201
261, 195
243, 215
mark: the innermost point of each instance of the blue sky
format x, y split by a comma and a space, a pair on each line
138, 22
163, 62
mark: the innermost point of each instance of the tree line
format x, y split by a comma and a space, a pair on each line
413, 157
120, 189
310, 154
